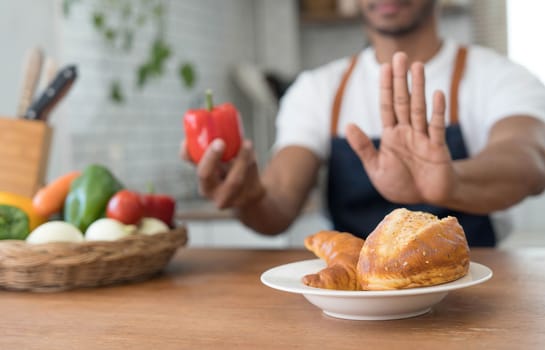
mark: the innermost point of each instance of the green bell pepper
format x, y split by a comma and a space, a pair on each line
89, 195
14, 223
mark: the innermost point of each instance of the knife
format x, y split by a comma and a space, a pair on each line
42, 106
31, 76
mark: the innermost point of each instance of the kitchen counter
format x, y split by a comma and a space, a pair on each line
213, 299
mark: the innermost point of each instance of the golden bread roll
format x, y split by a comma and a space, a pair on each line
413, 249
340, 252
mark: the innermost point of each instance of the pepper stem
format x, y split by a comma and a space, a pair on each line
209, 100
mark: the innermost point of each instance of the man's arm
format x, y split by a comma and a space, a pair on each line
288, 180
510, 168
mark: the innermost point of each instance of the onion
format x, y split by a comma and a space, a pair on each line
55, 231
151, 226
108, 230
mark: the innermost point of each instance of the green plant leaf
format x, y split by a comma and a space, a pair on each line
160, 52
110, 34
116, 92
142, 75
187, 74
98, 20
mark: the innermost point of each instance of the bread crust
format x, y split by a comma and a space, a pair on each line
341, 251
413, 249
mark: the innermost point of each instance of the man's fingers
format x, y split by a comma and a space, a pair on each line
418, 99
401, 90
209, 167
387, 96
436, 128
253, 191
362, 145
184, 154
232, 185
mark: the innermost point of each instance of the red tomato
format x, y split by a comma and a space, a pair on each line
202, 126
126, 206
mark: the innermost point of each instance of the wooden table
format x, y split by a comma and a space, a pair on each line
213, 299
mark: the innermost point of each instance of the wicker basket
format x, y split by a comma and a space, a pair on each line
61, 266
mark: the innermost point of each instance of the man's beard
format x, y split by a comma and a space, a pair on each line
427, 10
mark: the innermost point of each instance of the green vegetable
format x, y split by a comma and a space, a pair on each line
89, 195
14, 223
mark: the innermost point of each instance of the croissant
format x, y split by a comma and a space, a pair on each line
340, 252
413, 249
407, 249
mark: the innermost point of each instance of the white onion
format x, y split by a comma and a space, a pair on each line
151, 226
55, 231
108, 230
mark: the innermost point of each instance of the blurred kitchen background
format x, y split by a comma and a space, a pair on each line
126, 107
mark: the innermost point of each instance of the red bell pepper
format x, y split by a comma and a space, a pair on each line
202, 126
159, 206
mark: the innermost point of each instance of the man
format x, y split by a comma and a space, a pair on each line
466, 140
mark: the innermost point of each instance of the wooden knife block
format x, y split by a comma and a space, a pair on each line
24, 153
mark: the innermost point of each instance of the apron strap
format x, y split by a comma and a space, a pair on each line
459, 67
337, 103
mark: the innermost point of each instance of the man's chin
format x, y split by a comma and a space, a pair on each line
394, 31
400, 24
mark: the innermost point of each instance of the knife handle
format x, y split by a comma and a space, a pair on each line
49, 71
40, 108
31, 76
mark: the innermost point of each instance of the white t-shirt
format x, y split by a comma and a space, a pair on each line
492, 88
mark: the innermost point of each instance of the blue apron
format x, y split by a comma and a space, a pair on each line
354, 204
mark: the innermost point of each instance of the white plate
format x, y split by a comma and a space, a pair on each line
367, 305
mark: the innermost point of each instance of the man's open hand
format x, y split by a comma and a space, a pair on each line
413, 163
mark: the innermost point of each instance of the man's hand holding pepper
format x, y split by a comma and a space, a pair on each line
233, 184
